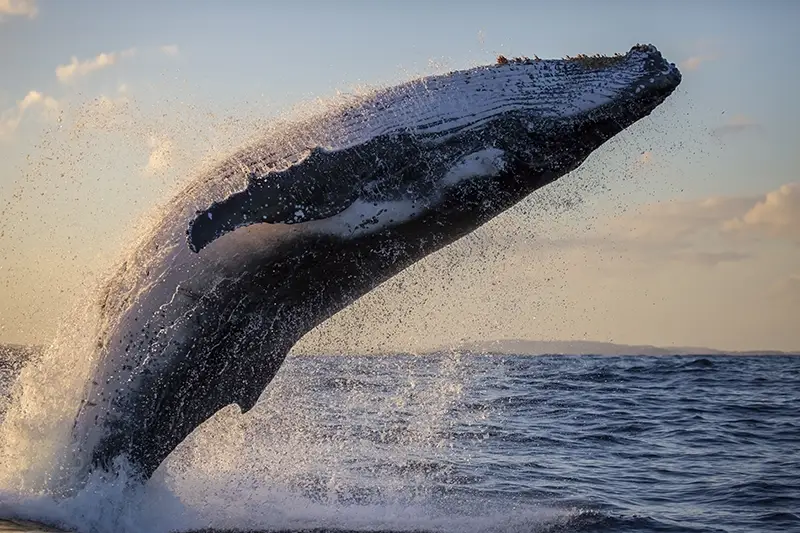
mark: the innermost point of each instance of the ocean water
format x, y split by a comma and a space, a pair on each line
459, 442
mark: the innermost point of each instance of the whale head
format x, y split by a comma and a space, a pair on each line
498, 132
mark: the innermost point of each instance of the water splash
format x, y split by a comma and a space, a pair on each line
44, 399
310, 455
275, 468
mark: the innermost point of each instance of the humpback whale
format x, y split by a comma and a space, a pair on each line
272, 241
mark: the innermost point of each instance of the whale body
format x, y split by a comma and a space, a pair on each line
272, 241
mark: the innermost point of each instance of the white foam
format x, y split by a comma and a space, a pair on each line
106, 504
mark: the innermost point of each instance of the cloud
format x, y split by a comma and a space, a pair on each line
170, 50
705, 232
787, 289
75, 68
737, 124
10, 119
776, 215
110, 105
710, 258
160, 155
679, 220
644, 160
705, 51
118, 113
110, 113
684, 224
18, 8
694, 62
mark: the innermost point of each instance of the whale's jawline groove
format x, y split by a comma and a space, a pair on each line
230, 281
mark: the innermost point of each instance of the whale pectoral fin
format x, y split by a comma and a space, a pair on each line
320, 186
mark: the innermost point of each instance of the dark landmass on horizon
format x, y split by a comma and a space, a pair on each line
14, 356
527, 347
568, 348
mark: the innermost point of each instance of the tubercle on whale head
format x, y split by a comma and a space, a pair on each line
586, 60
522, 106
649, 70
621, 90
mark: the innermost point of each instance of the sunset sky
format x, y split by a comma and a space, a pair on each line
684, 230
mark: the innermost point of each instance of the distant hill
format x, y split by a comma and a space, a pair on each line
14, 356
520, 347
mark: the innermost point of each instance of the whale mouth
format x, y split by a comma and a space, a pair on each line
604, 95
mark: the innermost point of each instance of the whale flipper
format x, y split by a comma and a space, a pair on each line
319, 186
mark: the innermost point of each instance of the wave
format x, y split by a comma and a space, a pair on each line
157, 511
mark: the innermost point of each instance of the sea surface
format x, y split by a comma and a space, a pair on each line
459, 442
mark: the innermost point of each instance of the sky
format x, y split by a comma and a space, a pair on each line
682, 231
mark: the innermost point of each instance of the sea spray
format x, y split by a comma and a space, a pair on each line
303, 467
36, 446
39, 411
105, 503
44, 399
329, 444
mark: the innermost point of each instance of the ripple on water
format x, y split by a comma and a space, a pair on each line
503, 443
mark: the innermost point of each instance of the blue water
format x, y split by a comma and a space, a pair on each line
525, 443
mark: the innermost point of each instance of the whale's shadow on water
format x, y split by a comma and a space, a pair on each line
282, 235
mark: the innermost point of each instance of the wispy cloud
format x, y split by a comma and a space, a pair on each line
705, 51
645, 159
10, 119
677, 221
695, 62
161, 149
776, 215
170, 50
708, 232
76, 68
118, 112
712, 258
787, 289
18, 8
737, 124
105, 112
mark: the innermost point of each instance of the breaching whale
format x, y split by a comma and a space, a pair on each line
272, 241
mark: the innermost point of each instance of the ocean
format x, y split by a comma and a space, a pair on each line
462, 442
